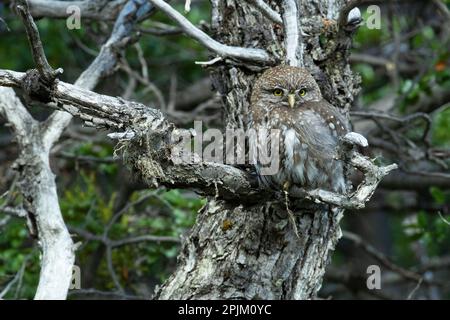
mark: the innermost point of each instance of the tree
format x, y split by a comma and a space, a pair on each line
241, 245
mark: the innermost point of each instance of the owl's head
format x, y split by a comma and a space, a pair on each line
286, 86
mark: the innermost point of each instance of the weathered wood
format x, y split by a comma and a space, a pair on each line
251, 252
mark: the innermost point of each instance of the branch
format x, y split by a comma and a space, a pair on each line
249, 54
103, 64
41, 202
16, 114
41, 198
45, 70
408, 181
267, 11
372, 177
402, 120
125, 241
17, 278
293, 34
381, 258
105, 294
115, 113
89, 9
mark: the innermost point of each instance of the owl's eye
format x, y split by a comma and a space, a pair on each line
302, 92
278, 92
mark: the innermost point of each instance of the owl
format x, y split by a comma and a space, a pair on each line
289, 100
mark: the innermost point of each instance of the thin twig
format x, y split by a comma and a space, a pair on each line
380, 257
413, 292
17, 278
267, 11
443, 219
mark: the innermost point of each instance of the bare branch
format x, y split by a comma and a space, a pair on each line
17, 278
105, 294
443, 219
103, 64
267, 11
249, 54
19, 212
15, 113
380, 257
89, 9
109, 112
372, 177
125, 241
293, 38
43, 206
402, 120
46, 71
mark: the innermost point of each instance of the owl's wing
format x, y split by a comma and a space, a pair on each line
316, 133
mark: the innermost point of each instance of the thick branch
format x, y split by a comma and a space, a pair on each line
37, 184
229, 182
293, 37
89, 9
249, 54
15, 113
37, 181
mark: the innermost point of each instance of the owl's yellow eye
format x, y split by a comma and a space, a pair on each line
277, 92
302, 92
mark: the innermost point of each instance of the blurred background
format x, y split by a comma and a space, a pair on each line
403, 110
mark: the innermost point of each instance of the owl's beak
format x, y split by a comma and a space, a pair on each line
291, 100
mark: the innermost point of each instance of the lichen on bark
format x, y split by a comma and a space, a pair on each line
257, 255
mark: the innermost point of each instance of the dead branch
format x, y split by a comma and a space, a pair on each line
248, 54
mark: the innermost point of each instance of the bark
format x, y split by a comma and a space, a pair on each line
242, 245
36, 180
37, 184
251, 252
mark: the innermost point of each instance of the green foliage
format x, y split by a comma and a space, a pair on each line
441, 132
417, 233
85, 207
89, 192
16, 249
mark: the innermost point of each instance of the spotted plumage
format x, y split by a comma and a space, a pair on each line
289, 99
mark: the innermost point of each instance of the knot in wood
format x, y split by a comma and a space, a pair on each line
36, 87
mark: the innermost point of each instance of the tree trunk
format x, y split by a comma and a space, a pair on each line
252, 252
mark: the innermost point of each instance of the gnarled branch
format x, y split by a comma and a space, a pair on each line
248, 54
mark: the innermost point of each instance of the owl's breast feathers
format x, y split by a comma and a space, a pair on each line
309, 138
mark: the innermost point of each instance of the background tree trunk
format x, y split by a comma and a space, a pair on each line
252, 252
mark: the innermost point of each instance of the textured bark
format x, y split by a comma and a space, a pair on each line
242, 246
38, 187
36, 180
251, 252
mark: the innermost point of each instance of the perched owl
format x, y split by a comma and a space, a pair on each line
289, 99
